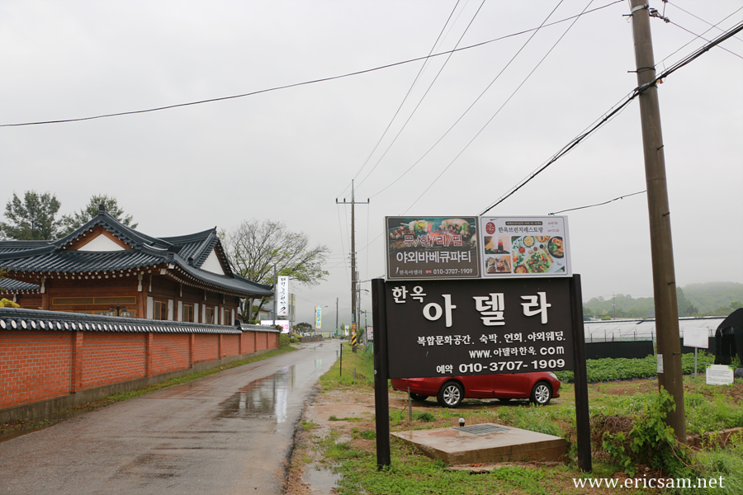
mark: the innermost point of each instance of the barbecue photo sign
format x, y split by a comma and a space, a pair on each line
433, 248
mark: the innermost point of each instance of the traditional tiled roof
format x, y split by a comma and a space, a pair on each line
33, 319
181, 257
16, 286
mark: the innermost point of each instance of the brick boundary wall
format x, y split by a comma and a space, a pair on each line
45, 371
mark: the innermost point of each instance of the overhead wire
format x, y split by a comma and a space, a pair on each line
420, 102
294, 85
697, 36
500, 108
716, 26
482, 93
616, 109
598, 204
405, 98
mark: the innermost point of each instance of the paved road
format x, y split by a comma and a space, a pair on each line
228, 433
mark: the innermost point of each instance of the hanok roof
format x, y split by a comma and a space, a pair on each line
105, 245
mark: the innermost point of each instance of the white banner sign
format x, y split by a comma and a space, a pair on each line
282, 296
696, 337
720, 374
284, 324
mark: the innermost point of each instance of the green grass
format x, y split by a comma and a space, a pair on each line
708, 408
605, 370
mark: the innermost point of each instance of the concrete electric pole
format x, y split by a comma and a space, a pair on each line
354, 277
664, 280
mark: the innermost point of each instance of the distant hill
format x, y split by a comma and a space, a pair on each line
709, 299
713, 295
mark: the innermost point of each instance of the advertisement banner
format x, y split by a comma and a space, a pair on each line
516, 247
284, 324
318, 317
478, 327
431, 248
282, 296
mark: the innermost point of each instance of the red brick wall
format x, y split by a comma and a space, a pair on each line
169, 352
40, 365
111, 358
248, 342
230, 345
34, 365
206, 348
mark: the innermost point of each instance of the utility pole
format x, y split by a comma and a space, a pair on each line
354, 276
664, 279
336, 316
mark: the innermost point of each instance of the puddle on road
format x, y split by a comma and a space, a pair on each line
321, 480
264, 398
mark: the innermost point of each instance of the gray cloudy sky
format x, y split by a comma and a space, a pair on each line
289, 154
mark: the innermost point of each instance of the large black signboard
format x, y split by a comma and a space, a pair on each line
477, 327
420, 248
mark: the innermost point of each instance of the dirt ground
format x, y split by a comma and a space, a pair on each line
342, 411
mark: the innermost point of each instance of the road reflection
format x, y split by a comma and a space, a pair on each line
265, 398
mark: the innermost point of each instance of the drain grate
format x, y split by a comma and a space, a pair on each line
481, 429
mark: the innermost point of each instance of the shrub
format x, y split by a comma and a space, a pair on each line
649, 442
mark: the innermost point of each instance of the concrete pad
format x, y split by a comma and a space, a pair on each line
505, 444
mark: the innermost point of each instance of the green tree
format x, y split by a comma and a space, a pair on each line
73, 222
255, 247
31, 219
685, 307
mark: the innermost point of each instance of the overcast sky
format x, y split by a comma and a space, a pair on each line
288, 154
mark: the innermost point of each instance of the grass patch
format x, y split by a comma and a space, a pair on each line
606, 370
355, 371
707, 408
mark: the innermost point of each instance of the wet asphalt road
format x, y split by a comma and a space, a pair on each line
228, 433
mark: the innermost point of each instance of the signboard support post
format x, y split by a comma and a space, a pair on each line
381, 372
580, 377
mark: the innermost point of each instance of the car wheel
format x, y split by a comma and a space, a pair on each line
451, 394
418, 397
541, 394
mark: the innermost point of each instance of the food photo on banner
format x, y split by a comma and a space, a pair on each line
420, 248
524, 247
510, 313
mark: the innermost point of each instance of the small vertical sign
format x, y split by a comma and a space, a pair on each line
282, 295
318, 317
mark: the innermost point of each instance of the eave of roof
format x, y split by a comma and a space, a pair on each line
187, 253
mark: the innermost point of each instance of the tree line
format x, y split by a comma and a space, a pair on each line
711, 299
255, 249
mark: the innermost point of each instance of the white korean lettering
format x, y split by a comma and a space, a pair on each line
539, 302
438, 311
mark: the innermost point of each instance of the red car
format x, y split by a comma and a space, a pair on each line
539, 387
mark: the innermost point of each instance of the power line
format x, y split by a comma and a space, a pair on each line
294, 85
420, 102
405, 98
456, 122
567, 148
598, 204
501, 107
708, 23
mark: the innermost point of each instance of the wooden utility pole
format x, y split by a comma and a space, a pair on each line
354, 275
664, 280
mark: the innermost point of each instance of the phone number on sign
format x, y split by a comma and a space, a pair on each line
453, 271
537, 364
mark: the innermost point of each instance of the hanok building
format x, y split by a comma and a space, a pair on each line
105, 267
